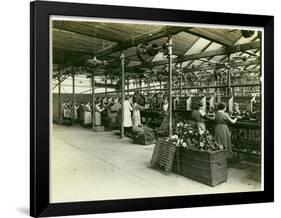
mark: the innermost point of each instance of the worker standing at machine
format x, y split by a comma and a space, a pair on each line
128, 116
236, 110
114, 111
98, 110
222, 132
165, 123
87, 114
199, 116
136, 112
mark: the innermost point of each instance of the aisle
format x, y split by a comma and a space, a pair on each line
96, 166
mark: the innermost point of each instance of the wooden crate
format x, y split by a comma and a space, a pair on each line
143, 140
206, 167
176, 168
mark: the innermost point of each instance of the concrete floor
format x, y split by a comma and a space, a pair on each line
87, 166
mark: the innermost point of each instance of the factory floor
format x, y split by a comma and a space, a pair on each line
87, 166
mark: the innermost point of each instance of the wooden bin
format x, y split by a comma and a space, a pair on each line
143, 140
209, 168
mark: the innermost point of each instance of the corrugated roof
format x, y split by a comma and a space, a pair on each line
76, 41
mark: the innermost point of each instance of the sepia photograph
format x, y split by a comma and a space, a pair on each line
145, 109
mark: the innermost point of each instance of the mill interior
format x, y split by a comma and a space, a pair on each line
98, 67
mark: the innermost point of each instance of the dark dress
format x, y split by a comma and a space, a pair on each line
222, 132
165, 123
198, 117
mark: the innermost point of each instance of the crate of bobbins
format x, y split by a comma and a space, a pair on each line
143, 135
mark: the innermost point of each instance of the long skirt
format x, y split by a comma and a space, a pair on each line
136, 118
87, 117
68, 113
81, 116
223, 136
165, 124
127, 119
97, 118
113, 119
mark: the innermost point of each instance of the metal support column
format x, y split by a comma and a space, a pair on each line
59, 97
229, 89
93, 100
122, 57
180, 85
217, 90
128, 86
140, 86
170, 49
180, 79
73, 98
148, 85
105, 83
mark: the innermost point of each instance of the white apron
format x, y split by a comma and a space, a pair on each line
127, 114
88, 115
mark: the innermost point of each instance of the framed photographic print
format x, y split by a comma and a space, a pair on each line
142, 109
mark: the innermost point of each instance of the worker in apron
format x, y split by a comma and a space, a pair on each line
199, 116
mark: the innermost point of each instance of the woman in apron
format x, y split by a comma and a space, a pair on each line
164, 127
98, 109
114, 113
136, 113
222, 132
76, 112
128, 116
88, 114
199, 116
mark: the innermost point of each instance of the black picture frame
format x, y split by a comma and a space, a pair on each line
40, 116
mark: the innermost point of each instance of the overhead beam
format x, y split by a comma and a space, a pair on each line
60, 81
211, 53
213, 35
254, 39
160, 33
105, 85
204, 49
193, 87
97, 85
220, 66
221, 60
191, 45
75, 42
255, 52
232, 64
96, 30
